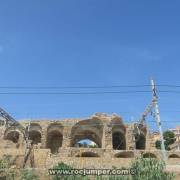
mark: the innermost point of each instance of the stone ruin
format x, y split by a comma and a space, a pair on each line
58, 141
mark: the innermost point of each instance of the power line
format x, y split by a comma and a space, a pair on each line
85, 93
70, 87
168, 85
71, 93
86, 87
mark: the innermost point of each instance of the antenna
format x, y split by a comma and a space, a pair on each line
158, 119
153, 105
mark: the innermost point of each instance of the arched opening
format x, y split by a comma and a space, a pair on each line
119, 142
124, 155
140, 141
149, 155
35, 133
118, 133
174, 156
35, 136
12, 136
87, 154
85, 136
87, 131
54, 141
54, 137
86, 143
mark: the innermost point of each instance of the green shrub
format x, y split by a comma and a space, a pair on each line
64, 166
150, 169
27, 174
144, 169
6, 172
169, 138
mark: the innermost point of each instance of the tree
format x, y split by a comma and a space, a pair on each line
93, 146
169, 138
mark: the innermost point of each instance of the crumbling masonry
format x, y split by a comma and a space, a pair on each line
57, 140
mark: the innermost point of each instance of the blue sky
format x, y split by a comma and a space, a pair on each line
89, 43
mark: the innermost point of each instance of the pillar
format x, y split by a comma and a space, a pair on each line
66, 137
107, 137
130, 140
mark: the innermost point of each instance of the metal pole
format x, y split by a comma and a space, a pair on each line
157, 115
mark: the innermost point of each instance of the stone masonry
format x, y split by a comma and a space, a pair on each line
58, 140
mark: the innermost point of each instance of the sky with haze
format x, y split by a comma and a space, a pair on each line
60, 43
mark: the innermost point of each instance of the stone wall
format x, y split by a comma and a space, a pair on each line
56, 140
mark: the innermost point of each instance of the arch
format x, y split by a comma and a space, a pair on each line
173, 156
149, 155
54, 137
85, 135
35, 136
91, 129
119, 141
35, 133
87, 154
118, 133
35, 126
124, 155
55, 126
116, 120
141, 141
12, 136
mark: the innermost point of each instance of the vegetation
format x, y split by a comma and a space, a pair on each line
64, 166
27, 174
6, 172
169, 138
150, 169
142, 168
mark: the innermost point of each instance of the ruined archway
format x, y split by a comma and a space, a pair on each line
149, 155
173, 156
90, 129
140, 137
35, 133
118, 134
124, 155
54, 137
119, 142
141, 141
87, 154
35, 136
12, 136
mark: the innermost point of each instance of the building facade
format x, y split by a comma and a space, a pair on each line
56, 140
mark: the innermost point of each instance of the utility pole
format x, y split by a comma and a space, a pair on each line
157, 116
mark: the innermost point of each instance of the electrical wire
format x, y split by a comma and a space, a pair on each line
71, 87
84, 93
71, 93
87, 87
